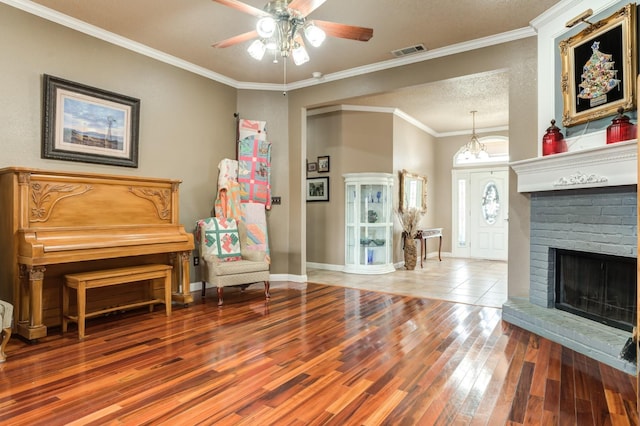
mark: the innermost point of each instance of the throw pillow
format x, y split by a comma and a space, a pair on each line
220, 238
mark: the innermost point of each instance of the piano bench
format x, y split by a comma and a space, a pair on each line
93, 279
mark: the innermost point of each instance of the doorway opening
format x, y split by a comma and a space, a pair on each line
480, 203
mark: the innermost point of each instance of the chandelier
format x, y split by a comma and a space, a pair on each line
473, 150
281, 33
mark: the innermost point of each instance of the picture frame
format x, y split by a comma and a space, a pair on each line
312, 167
87, 124
323, 164
599, 67
318, 189
413, 192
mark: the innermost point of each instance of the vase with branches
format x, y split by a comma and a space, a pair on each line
409, 221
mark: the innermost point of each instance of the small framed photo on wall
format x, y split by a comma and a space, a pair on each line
318, 189
312, 167
323, 164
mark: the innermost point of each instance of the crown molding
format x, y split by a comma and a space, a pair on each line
419, 57
83, 27
364, 108
478, 131
400, 114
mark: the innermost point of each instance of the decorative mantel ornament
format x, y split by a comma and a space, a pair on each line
580, 178
553, 140
620, 129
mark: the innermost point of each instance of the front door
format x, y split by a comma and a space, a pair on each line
489, 209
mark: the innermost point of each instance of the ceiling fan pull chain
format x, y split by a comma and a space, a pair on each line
284, 83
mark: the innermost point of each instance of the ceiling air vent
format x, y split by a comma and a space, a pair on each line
409, 50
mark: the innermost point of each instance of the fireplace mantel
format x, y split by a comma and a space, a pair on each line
608, 165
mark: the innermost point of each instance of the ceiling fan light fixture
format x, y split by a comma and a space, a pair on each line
271, 43
300, 55
257, 49
315, 35
266, 27
282, 25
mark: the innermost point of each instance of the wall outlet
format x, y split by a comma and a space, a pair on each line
196, 260
276, 201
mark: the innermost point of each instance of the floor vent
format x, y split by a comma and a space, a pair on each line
409, 50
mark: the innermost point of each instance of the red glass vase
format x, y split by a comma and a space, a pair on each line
553, 140
620, 129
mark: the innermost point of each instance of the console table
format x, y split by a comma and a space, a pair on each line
423, 235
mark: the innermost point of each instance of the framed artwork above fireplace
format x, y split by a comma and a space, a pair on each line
599, 66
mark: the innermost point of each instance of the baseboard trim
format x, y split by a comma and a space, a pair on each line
197, 286
325, 266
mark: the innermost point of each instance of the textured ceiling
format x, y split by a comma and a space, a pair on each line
186, 29
446, 106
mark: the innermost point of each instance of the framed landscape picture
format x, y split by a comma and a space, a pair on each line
318, 189
83, 123
599, 68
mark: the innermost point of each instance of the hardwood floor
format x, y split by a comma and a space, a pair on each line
313, 354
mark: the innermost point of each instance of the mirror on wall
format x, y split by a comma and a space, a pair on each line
413, 191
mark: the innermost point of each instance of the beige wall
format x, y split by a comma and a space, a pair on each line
324, 137
186, 121
519, 57
414, 150
356, 141
271, 106
447, 148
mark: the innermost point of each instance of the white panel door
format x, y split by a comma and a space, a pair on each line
489, 209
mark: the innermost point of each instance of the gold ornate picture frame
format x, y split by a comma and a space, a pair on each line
599, 68
413, 191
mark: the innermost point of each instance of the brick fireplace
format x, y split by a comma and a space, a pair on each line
583, 202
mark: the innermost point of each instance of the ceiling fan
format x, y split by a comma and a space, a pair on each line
280, 27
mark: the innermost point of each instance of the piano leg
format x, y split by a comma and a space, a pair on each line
181, 282
33, 328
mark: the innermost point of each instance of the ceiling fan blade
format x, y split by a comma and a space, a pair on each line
305, 7
351, 32
237, 39
242, 7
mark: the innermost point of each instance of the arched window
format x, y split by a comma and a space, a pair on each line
497, 148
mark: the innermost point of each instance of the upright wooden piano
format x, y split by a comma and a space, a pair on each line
53, 223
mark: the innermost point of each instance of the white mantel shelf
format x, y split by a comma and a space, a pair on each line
609, 165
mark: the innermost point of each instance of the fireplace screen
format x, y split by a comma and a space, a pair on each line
596, 286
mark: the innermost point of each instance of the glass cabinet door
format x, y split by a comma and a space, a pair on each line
351, 247
368, 223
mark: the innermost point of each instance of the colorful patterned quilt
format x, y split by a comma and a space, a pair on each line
255, 128
219, 237
228, 202
254, 171
254, 218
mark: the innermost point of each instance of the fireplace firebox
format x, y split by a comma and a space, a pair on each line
597, 286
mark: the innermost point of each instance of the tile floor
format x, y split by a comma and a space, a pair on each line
471, 281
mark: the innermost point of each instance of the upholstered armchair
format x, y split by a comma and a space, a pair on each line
228, 259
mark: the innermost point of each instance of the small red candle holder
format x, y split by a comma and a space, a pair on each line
553, 140
620, 129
